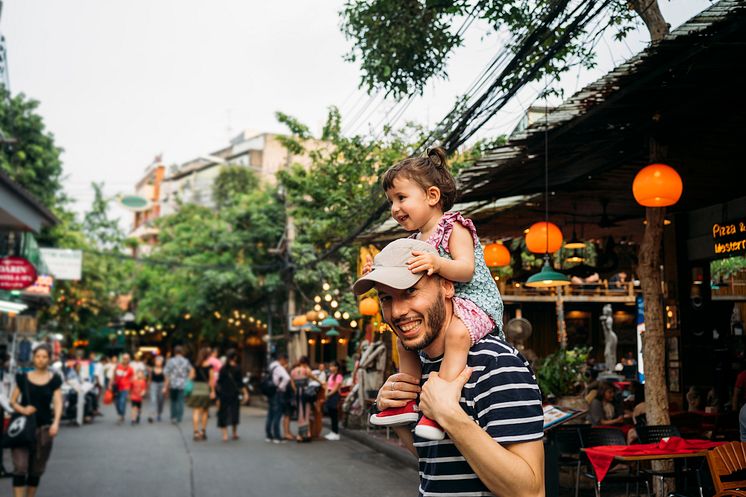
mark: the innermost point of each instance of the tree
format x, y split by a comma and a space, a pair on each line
402, 45
211, 263
232, 181
83, 308
28, 153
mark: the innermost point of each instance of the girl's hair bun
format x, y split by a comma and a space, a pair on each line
438, 156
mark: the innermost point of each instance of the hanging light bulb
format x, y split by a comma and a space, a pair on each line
337, 315
328, 297
334, 304
317, 299
326, 286
317, 307
345, 315
353, 324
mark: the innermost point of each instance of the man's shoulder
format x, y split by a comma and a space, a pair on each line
491, 349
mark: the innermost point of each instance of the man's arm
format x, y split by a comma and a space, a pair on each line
487, 458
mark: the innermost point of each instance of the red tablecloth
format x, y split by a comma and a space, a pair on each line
602, 457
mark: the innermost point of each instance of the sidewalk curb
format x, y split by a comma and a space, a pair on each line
399, 454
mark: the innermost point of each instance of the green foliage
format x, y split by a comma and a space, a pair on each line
209, 261
402, 45
560, 373
81, 308
725, 268
27, 150
231, 183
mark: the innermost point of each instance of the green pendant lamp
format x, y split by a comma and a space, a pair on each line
547, 277
332, 333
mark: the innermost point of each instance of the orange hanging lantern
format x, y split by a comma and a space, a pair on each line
312, 316
368, 307
496, 254
300, 320
537, 240
657, 185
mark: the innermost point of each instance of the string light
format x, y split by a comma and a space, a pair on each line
353, 324
317, 299
326, 286
345, 315
334, 304
328, 297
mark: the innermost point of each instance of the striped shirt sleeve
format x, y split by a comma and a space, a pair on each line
507, 400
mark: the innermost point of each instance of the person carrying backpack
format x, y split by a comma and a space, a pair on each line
280, 379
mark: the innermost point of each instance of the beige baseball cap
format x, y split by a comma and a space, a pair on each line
390, 266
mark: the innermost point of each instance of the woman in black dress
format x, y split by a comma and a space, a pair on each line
230, 386
34, 395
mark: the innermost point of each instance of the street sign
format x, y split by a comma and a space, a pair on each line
16, 273
64, 264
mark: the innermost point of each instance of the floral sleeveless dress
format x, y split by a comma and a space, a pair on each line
477, 303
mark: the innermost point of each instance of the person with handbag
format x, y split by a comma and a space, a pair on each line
331, 406
305, 395
37, 402
229, 388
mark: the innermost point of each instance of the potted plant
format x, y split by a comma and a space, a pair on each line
562, 375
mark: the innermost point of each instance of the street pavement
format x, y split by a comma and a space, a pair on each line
107, 460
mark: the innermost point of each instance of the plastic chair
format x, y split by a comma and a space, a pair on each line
724, 461
608, 436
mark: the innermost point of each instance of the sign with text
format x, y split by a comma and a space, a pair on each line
64, 264
16, 273
729, 238
42, 287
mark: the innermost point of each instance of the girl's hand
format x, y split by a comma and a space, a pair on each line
424, 261
54, 429
368, 265
212, 395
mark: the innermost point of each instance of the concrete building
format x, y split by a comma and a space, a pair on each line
166, 188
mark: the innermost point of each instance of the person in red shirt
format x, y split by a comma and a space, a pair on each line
123, 376
137, 390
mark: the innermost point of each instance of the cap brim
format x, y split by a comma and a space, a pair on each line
395, 277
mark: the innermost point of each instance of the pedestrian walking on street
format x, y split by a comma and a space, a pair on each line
157, 397
280, 381
177, 372
137, 392
203, 392
229, 389
37, 393
109, 369
333, 386
123, 376
305, 395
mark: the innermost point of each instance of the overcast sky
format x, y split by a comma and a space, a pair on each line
121, 82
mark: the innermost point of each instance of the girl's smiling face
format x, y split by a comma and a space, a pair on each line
411, 206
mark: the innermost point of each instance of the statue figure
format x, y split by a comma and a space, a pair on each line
610, 338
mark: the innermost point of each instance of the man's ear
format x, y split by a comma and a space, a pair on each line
433, 196
449, 290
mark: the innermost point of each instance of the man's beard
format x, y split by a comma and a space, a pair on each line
434, 321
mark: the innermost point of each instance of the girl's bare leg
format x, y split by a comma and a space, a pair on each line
458, 343
409, 361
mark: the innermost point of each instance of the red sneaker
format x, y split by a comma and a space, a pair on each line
396, 416
429, 429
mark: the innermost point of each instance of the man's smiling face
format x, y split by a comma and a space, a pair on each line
416, 314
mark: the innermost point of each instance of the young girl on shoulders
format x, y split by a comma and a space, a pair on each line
421, 191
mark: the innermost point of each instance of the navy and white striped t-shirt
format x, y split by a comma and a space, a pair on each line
502, 397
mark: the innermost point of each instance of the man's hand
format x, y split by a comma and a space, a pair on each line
439, 399
399, 389
424, 261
